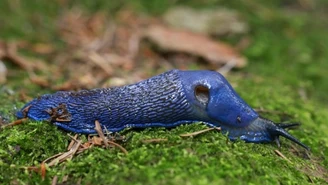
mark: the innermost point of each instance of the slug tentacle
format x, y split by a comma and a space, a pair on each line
279, 130
167, 100
288, 125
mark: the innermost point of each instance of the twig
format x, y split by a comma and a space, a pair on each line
282, 155
17, 122
66, 155
100, 133
200, 132
52, 157
227, 67
158, 140
76, 147
74, 139
54, 180
119, 146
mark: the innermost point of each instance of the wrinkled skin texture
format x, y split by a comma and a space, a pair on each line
167, 100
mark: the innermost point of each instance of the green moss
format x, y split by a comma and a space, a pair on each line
287, 55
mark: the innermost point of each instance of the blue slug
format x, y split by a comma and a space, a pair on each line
167, 100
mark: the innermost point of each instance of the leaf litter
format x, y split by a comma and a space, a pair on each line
77, 146
100, 51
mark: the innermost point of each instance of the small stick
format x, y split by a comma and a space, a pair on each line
17, 122
74, 150
65, 178
146, 141
54, 180
52, 157
66, 155
227, 67
200, 132
119, 146
74, 139
100, 132
282, 155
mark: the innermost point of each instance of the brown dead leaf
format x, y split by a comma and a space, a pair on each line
215, 52
96, 141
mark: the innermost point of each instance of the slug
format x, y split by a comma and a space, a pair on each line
167, 100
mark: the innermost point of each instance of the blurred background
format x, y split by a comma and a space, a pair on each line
67, 44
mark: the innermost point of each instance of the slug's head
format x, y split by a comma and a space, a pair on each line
262, 130
215, 99
217, 103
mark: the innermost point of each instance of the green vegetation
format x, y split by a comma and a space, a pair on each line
287, 57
